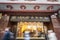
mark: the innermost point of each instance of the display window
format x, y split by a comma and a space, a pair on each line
35, 29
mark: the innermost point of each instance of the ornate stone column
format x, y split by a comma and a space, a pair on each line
56, 25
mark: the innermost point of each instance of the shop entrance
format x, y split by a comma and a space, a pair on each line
36, 26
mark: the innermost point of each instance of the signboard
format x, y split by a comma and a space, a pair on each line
29, 18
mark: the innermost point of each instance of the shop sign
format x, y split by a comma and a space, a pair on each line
29, 18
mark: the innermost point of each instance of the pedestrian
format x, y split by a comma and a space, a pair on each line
27, 35
51, 35
7, 34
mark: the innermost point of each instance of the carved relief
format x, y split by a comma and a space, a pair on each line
23, 7
36, 7
50, 8
9, 6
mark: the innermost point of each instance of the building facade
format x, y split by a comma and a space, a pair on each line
33, 16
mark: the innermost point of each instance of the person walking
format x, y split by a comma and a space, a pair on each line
51, 35
7, 34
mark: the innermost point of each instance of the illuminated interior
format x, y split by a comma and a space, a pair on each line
34, 29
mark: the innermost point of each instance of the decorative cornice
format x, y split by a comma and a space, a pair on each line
27, 11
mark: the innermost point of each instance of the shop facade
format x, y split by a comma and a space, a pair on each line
36, 19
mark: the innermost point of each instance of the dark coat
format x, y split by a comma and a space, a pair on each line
6, 36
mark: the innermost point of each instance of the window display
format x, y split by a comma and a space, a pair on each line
35, 29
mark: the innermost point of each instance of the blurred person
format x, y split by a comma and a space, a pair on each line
7, 34
27, 35
51, 35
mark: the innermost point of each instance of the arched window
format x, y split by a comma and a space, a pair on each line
36, 7
23, 7
50, 8
9, 6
